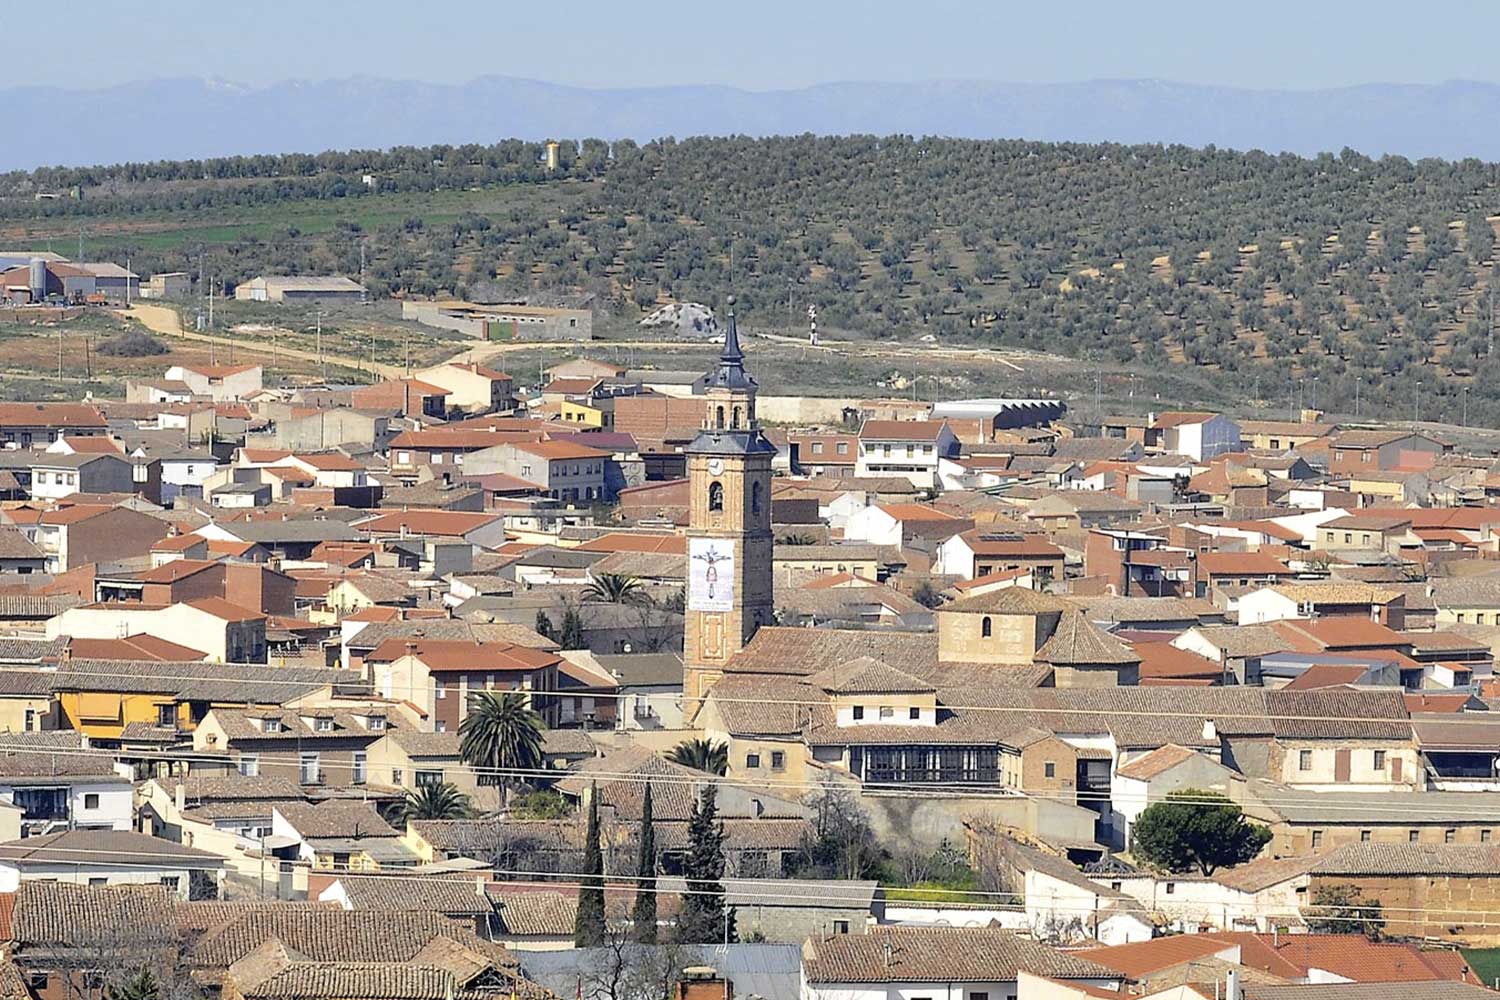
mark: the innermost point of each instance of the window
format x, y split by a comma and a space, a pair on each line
398, 775
1304, 760
914, 712
1484, 836
1364, 836
986, 627
37, 981
716, 496
778, 760
1317, 839
1380, 760
859, 712
842, 927
841, 448
98, 881
361, 767
166, 716
1412, 836
1450, 835
324, 725
817, 447
375, 722
308, 771
1049, 769
249, 765
273, 725
91, 800
439, 689
1348, 537
887, 712
425, 778
1171, 888
755, 497
171, 882
752, 760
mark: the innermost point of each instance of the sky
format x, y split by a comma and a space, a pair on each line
770, 44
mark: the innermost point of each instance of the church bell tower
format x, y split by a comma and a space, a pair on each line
729, 525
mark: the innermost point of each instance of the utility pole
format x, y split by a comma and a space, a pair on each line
1466, 405
59, 353
322, 363
211, 283
127, 281
1357, 383
364, 296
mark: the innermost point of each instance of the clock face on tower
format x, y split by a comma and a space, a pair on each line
710, 575
715, 466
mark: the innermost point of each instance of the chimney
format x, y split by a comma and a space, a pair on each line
1232, 985
179, 795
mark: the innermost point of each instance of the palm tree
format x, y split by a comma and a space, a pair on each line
614, 588
141, 986
439, 801
500, 733
701, 755
797, 538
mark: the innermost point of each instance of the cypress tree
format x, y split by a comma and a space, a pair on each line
543, 626
572, 630
643, 914
704, 918
588, 926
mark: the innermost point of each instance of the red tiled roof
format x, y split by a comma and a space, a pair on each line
1322, 675
916, 512
1143, 958
133, 647
554, 450
220, 608
1241, 563
468, 656
622, 541
1162, 661
178, 543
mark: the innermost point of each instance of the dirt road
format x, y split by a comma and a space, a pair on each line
164, 320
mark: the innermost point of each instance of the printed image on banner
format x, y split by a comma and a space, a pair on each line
710, 575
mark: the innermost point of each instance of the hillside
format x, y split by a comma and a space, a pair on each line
1371, 277
126, 122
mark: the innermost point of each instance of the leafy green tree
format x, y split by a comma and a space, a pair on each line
701, 755
589, 928
643, 913
436, 801
572, 630
501, 733
614, 588
1340, 909
1195, 829
540, 804
704, 917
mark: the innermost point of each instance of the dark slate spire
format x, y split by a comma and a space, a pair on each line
731, 372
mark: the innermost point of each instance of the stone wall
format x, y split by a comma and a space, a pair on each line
1452, 908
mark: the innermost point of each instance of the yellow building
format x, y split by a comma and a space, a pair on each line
581, 414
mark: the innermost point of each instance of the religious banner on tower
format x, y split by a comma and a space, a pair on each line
710, 575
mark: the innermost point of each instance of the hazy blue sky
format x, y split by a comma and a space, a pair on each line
768, 44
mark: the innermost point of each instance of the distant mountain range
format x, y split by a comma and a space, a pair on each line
186, 118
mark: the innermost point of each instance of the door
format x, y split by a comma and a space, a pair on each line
1341, 765
1395, 768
